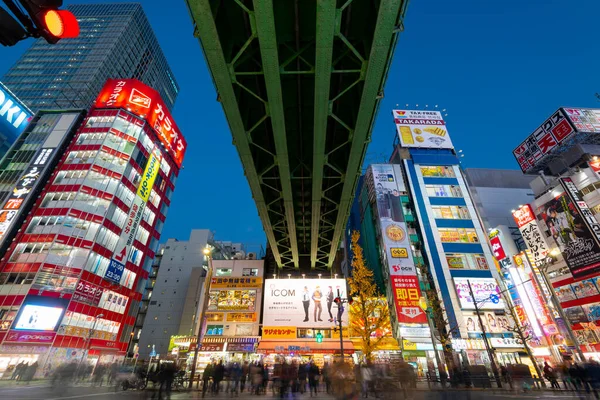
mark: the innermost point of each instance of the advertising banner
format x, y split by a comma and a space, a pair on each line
584, 119
543, 141
146, 103
595, 166
303, 303
214, 316
565, 220
387, 187
87, 293
279, 332
115, 269
423, 129
232, 283
532, 235
232, 300
497, 248
14, 115
30, 336
406, 294
486, 291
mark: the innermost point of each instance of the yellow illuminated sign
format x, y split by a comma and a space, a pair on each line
149, 177
399, 252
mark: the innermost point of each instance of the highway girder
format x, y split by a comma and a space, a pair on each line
299, 81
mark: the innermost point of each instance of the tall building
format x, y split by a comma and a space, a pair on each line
173, 299
115, 41
561, 226
453, 244
73, 276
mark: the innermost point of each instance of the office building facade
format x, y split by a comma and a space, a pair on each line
73, 275
115, 41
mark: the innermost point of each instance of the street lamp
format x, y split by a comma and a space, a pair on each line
207, 253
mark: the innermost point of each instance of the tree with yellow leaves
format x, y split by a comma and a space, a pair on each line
369, 312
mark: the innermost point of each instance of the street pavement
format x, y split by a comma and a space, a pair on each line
42, 391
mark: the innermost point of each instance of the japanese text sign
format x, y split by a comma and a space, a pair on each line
279, 332
146, 103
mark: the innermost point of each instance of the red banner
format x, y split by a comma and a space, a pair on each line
407, 295
146, 103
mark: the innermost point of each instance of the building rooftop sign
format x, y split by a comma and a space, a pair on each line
146, 103
565, 128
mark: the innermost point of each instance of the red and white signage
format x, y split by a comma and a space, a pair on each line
595, 166
146, 103
407, 295
543, 140
532, 235
497, 248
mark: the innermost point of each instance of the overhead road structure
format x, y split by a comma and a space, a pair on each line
300, 82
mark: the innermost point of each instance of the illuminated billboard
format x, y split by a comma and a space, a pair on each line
486, 292
304, 303
232, 300
145, 102
422, 129
14, 115
40, 314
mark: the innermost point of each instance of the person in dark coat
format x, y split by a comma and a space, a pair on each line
167, 376
313, 378
206, 375
218, 375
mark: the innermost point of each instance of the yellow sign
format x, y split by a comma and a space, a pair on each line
395, 233
279, 332
149, 177
231, 283
241, 317
214, 316
399, 252
408, 345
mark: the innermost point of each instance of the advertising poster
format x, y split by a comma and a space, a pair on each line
563, 222
87, 293
303, 303
584, 288
576, 315
546, 138
423, 129
486, 291
592, 311
584, 119
388, 188
232, 283
232, 300
565, 293
532, 235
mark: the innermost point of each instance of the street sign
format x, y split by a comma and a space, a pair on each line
494, 298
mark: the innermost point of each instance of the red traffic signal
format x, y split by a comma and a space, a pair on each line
60, 23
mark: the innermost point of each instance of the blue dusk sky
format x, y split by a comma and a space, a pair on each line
499, 68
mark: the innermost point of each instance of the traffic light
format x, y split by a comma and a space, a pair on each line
38, 18
319, 337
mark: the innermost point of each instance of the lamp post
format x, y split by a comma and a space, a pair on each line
207, 254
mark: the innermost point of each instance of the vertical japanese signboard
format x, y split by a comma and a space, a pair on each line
394, 235
532, 235
115, 269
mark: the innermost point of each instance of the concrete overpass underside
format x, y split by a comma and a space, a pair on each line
300, 82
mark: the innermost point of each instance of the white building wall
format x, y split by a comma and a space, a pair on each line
169, 296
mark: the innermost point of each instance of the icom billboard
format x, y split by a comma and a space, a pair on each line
303, 303
14, 116
424, 129
145, 102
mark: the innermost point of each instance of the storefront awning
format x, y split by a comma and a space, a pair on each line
303, 347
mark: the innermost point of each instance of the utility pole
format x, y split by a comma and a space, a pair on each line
485, 338
340, 313
202, 314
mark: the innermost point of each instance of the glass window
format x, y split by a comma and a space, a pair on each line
224, 271
437, 171
443, 191
250, 272
466, 261
214, 330
458, 235
451, 212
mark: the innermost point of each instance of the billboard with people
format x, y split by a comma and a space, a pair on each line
303, 302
